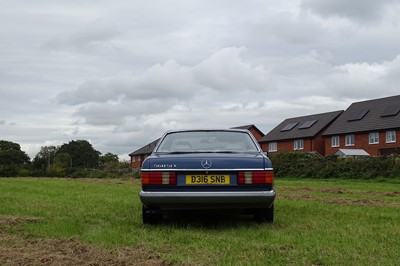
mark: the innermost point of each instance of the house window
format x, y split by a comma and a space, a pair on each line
374, 138
335, 141
299, 144
390, 136
133, 159
350, 140
272, 146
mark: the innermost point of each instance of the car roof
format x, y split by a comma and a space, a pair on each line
207, 130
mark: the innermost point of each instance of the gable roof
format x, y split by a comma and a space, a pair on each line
248, 127
147, 149
301, 127
377, 114
351, 152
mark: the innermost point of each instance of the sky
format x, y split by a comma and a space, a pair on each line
121, 73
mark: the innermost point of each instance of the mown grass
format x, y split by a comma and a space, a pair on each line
318, 222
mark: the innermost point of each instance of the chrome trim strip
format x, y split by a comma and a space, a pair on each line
177, 194
207, 200
202, 170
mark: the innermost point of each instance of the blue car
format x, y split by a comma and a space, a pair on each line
207, 170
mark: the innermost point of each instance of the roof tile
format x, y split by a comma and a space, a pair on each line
299, 131
374, 119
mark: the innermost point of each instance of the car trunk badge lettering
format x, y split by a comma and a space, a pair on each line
164, 165
206, 163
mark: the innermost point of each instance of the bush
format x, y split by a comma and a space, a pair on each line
305, 165
8, 170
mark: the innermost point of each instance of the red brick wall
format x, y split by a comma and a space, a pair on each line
362, 142
288, 146
137, 160
316, 144
256, 134
135, 163
319, 144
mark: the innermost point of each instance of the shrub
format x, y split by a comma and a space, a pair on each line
305, 165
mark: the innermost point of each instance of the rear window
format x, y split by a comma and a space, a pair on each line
207, 141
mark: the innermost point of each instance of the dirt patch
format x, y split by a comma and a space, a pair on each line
358, 202
343, 201
17, 250
9, 220
340, 191
306, 194
393, 194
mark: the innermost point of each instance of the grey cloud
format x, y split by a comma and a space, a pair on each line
223, 71
2, 122
227, 71
169, 80
298, 29
128, 72
359, 10
290, 34
95, 34
90, 91
116, 114
365, 80
392, 74
102, 114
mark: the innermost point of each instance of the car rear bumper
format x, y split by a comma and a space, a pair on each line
207, 200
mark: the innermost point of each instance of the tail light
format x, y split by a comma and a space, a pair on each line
158, 178
256, 177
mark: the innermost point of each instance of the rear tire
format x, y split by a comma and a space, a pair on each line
151, 216
265, 215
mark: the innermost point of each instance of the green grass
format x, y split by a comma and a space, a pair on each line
320, 222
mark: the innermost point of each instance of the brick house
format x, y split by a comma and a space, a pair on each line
299, 134
138, 156
373, 126
258, 134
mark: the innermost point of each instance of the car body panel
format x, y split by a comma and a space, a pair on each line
193, 162
208, 199
185, 195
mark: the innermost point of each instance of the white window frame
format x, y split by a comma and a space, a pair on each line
273, 146
350, 140
298, 144
373, 138
335, 141
391, 136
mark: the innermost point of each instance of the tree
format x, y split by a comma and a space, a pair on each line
82, 154
11, 158
108, 160
44, 159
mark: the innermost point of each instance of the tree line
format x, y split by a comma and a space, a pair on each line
76, 158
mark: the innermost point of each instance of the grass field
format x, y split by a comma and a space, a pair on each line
317, 222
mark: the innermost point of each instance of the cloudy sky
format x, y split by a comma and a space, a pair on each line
120, 73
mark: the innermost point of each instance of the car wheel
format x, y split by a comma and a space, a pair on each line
265, 215
150, 216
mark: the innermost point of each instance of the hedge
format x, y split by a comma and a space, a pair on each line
305, 165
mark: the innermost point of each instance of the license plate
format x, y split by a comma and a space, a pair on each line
208, 179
